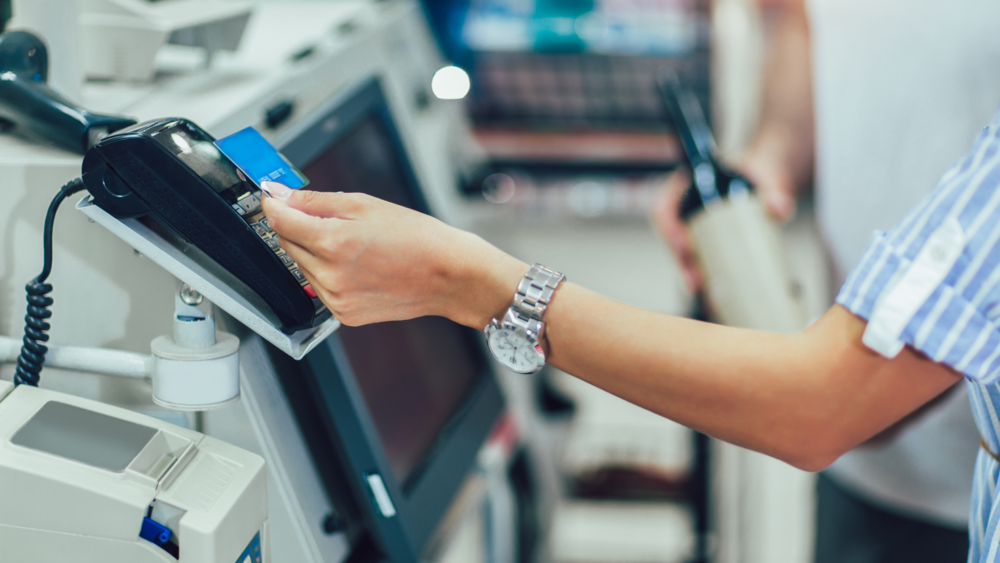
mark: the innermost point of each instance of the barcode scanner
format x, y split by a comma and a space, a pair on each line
29, 106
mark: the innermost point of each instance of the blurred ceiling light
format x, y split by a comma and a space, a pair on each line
450, 83
499, 188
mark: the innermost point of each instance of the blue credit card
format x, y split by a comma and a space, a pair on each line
249, 150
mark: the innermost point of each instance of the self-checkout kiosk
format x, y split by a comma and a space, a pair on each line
330, 443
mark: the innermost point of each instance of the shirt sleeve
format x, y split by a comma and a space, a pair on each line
933, 282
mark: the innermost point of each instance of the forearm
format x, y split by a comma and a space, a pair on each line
804, 398
787, 129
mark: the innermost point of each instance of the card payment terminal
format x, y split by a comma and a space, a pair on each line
172, 172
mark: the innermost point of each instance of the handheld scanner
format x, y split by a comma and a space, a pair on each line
171, 171
711, 180
28, 104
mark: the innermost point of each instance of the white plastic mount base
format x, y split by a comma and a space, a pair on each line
196, 379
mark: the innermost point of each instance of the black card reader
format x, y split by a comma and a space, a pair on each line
170, 170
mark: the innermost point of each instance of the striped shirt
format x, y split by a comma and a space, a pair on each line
933, 282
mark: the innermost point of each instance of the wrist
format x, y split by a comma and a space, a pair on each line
517, 341
484, 282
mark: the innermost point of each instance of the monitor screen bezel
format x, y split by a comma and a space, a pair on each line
329, 378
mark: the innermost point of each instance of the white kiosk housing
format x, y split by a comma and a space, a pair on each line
86, 481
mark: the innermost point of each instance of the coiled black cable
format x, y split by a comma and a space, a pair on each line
36, 326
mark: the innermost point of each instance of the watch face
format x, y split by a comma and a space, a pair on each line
514, 351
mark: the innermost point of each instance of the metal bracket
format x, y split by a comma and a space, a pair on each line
188, 264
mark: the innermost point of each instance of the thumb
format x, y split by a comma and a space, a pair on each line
319, 204
276, 190
290, 223
773, 183
774, 189
778, 201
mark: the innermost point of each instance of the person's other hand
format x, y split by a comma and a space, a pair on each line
768, 175
372, 261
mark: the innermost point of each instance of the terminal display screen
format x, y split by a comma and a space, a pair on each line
200, 153
414, 374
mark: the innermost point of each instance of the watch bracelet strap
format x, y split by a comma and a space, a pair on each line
534, 292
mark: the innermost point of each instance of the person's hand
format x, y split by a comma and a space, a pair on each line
372, 261
768, 175
666, 216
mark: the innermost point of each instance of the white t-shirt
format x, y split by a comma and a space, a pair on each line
902, 88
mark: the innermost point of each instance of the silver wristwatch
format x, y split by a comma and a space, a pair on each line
516, 340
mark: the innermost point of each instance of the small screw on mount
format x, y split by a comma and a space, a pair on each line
189, 295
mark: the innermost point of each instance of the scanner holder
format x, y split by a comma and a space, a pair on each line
193, 267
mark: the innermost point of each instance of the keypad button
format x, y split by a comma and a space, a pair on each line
239, 209
272, 243
310, 291
250, 204
259, 230
286, 259
298, 275
265, 224
253, 202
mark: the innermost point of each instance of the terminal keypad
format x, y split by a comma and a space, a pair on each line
248, 206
